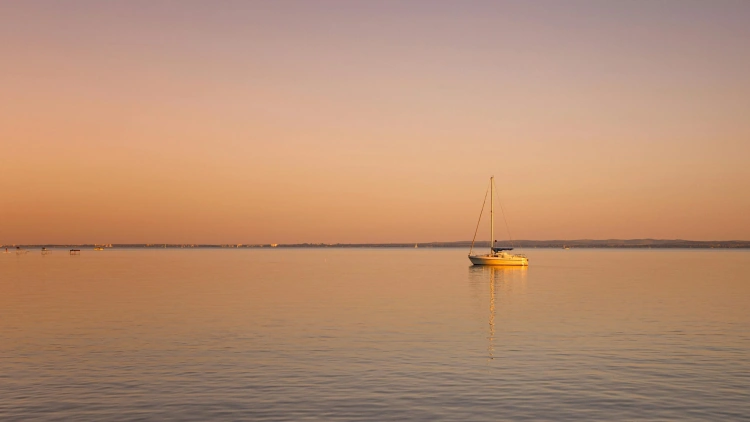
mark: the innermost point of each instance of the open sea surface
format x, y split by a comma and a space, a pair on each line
374, 334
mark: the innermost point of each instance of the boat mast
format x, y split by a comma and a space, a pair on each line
492, 212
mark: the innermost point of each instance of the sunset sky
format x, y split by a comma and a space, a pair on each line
372, 121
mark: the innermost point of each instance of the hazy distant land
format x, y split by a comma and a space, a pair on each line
580, 243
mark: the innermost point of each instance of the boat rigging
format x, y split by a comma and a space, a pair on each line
497, 255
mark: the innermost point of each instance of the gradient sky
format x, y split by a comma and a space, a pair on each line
380, 121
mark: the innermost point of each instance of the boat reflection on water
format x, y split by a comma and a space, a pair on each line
502, 283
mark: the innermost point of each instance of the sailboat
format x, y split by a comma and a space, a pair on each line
497, 255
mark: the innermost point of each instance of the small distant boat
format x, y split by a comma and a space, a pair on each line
6, 250
566, 247
46, 251
416, 246
497, 255
98, 248
20, 251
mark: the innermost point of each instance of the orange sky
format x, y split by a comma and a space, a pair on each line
259, 122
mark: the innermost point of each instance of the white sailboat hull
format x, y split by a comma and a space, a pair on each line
499, 259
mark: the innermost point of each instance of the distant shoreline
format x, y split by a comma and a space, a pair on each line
580, 243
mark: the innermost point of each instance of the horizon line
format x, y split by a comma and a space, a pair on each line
611, 242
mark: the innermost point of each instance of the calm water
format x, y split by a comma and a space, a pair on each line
375, 334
